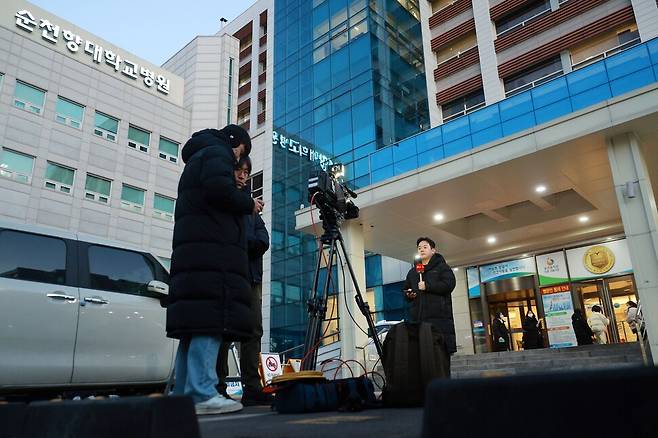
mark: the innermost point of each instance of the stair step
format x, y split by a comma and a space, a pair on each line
587, 357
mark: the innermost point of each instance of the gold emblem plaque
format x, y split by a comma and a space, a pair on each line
599, 259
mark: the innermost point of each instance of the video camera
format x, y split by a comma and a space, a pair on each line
331, 196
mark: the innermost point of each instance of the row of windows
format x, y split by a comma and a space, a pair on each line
546, 70
19, 167
33, 257
67, 112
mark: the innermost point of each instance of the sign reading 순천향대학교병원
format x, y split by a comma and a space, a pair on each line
65, 38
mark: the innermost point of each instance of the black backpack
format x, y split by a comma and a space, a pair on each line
414, 355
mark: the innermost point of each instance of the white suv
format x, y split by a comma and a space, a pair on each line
79, 311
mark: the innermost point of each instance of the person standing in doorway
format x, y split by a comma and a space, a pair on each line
500, 333
208, 300
258, 242
599, 323
581, 329
631, 317
532, 337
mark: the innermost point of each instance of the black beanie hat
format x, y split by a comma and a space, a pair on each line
237, 135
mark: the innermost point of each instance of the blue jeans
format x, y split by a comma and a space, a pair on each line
195, 371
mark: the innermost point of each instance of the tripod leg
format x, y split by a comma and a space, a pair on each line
363, 305
312, 304
314, 332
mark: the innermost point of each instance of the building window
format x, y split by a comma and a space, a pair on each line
29, 98
522, 16
163, 207
463, 105
138, 139
168, 150
229, 106
255, 184
243, 116
98, 189
106, 126
59, 178
16, 166
132, 198
533, 76
607, 45
69, 113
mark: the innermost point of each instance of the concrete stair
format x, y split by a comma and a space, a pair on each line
586, 357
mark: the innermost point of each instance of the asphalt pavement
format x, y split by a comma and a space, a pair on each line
261, 421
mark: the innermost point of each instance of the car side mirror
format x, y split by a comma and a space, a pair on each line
158, 287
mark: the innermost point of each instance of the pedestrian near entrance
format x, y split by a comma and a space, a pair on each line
631, 317
258, 242
581, 329
532, 337
599, 323
209, 292
500, 333
429, 293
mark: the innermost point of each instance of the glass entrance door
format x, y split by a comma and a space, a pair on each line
622, 290
611, 294
514, 305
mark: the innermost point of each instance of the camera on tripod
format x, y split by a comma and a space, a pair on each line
331, 196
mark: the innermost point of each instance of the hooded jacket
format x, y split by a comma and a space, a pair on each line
209, 288
434, 304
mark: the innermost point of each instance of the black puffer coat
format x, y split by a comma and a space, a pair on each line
209, 290
434, 304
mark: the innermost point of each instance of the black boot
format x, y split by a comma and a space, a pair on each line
252, 397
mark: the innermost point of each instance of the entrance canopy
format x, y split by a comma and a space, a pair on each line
494, 192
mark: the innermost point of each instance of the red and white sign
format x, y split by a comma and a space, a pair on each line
270, 366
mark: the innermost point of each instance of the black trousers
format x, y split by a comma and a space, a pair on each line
249, 350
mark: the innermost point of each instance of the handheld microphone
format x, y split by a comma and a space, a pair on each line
418, 263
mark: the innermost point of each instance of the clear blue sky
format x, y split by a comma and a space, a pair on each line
152, 30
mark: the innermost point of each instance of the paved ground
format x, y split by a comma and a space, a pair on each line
260, 421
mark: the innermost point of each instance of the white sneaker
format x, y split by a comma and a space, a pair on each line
217, 405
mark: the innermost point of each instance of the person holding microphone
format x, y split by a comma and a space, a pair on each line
428, 287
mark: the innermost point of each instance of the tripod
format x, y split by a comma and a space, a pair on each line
317, 304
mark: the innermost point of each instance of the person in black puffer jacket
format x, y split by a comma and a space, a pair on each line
208, 299
430, 298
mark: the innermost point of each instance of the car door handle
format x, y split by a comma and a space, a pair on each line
96, 300
61, 296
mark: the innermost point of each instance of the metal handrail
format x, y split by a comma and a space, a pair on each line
458, 55
592, 59
465, 111
523, 23
534, 83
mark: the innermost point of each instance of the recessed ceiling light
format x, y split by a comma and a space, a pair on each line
438, 217
540, 189
583, 219
455, 269
491, 239
525, 255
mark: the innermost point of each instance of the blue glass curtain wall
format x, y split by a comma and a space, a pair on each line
348, 79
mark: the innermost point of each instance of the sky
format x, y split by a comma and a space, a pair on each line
152, 30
